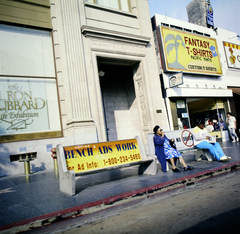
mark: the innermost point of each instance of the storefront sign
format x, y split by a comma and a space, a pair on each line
210, 16
189, 52
175, 80
96, 156
232, 52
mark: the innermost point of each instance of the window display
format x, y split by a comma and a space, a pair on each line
29, 106
182, 114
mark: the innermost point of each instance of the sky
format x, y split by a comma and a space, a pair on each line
225, 12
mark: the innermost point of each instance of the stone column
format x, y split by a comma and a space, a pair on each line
75, 61
67, 17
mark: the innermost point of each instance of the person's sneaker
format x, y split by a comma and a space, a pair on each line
188, 168
224, 158
229, 158
233, 141
176, 170
237, 139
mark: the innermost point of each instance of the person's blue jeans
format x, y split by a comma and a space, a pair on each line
233, 133
214, 148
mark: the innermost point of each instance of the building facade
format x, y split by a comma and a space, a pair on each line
229, 48
197, 80
74, 72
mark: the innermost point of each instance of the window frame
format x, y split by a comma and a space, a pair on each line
119, 4
52, 131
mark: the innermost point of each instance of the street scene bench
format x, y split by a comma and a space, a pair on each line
184, 144
79, 160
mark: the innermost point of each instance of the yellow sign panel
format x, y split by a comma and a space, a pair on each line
188, 52
232, 52
88, 157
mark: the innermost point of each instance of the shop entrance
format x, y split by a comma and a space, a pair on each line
187, 112
120, 107
209, 109
235, 110
213, 111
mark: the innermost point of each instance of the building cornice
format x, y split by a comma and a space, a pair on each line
89, 31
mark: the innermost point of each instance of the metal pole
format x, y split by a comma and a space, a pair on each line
55, 164
27, 167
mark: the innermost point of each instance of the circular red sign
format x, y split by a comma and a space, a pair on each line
187, 138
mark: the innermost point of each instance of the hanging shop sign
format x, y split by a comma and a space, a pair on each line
232, 52
189, 52
175, 80
210, 16
88, 157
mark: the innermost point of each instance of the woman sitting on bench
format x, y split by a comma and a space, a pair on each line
165, 151
202, 139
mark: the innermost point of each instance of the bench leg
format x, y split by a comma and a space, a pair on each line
148, 168
67, 182
167, 166
176, 162
204, 152
66, 178
198, 155
208, 155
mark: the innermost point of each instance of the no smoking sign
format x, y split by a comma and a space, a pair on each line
187, 138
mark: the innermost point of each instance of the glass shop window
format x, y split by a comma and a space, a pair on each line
28, 91
182, 114
209, 109
123, 5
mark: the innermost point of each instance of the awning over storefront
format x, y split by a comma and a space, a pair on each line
198, 92
235, 90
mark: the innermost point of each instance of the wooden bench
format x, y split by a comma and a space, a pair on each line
177, 135
113, 155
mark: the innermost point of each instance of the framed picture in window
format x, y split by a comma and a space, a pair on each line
180, 104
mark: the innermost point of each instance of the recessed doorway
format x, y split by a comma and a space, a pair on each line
121, 112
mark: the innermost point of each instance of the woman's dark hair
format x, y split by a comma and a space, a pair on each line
155, 129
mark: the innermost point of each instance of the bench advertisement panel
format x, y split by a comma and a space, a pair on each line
88, 157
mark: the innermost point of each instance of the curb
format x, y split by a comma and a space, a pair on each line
103, 204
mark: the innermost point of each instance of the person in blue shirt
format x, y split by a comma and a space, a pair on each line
164, 151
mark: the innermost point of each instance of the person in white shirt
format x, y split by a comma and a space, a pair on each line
232, 125
202, 139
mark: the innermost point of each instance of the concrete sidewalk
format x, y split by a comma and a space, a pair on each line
32, 201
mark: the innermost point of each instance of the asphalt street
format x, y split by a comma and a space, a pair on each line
210, 207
